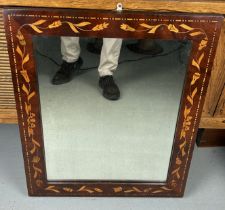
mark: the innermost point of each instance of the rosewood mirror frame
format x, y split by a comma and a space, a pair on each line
23, 23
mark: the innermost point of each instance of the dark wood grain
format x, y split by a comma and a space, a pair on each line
211, 138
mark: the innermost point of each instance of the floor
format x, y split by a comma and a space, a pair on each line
205, 188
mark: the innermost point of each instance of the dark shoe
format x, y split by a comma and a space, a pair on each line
110, 89
66, 72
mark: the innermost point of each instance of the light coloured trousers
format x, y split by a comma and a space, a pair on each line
70, 49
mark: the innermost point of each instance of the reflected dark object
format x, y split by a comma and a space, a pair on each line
95, 46
146, 47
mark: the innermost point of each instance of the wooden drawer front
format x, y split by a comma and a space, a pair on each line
7, 101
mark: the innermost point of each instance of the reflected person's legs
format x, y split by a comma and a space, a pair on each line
70, 49
108, 64
109, 56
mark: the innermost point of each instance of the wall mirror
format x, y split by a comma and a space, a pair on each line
77, 142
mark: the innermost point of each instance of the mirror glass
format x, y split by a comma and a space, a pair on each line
89, 137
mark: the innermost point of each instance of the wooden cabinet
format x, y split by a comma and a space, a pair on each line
213, 115
7, 101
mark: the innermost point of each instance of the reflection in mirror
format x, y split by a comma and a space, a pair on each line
89, 137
